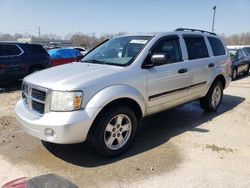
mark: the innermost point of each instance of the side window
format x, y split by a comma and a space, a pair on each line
217, 46
244, 53
8, 50
196, 47
239, 55
170, 47
36, 49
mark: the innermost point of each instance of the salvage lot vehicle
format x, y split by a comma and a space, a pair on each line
64, 55
20, 59
240, 62
82, 50
103, 98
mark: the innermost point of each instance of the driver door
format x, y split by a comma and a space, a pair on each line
167, 83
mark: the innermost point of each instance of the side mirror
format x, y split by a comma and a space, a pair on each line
156, 60
159, 59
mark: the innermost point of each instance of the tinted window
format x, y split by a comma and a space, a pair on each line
196, 48
239, 54
244, 53
217, 46
36, 49
8, 50
247, 50
171, 48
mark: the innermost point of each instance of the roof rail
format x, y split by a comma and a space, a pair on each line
188, 29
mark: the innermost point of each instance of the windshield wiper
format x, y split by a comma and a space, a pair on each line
95, 61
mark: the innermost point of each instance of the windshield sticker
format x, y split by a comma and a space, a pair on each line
138, 41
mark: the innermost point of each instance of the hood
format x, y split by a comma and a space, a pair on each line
69, 76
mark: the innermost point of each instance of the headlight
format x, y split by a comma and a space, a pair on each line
66, 101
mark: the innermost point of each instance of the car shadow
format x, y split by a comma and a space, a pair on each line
153, 132
241, 76
10, 86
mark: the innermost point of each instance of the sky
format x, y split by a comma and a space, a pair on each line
62, 17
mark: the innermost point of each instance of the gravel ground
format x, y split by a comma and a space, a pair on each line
182, 147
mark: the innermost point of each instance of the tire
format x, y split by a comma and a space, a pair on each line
213, 98
108, 132
234, 73
247, 71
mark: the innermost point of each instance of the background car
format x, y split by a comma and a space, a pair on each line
83, 50
240, 62
247, 49
20, 59
64, 55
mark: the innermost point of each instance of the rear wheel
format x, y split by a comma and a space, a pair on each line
247, 70
115, 131
212, 100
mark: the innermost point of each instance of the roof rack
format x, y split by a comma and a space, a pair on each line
188, 29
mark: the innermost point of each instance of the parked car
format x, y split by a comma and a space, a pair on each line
83, 50
61, 56
240, 62
103, 97
20, 59
247, 49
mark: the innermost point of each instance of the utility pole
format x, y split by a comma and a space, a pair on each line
39, 32
214, 8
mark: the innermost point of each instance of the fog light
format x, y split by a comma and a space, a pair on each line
50, 133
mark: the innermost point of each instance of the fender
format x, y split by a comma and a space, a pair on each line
215, 73
111, 93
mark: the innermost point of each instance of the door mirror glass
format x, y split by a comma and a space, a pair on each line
159, 59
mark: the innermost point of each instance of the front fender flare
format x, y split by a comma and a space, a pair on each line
109, 94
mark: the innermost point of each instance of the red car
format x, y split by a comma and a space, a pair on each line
64, 55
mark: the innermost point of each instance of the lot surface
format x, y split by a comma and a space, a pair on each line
182, 147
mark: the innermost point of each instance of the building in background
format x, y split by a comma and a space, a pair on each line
47, 43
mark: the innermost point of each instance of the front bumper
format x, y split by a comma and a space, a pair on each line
69, 127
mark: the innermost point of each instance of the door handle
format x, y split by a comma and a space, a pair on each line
211, 65
181, 71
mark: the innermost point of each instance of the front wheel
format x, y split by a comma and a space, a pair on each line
212, 100
115, 131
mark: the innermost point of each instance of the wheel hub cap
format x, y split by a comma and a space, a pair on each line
117, 131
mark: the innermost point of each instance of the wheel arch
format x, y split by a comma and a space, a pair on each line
117, 102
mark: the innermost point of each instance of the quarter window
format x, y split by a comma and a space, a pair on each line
217, 46
8, 50
171, 48
196, 47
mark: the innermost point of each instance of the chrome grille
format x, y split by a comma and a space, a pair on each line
34, 98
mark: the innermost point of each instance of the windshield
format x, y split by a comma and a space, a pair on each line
119, 51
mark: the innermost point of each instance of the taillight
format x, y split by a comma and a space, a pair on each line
18, 183
3, 66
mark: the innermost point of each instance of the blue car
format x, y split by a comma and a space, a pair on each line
20, 59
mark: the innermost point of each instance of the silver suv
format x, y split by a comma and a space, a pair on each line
121, 81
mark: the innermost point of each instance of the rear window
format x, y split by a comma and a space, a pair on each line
217, 46
196, 47
36, 49
9, 50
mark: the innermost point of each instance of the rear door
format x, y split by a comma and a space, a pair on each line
167, 83
200, 65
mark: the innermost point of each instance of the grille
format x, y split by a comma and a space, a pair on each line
34, 98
